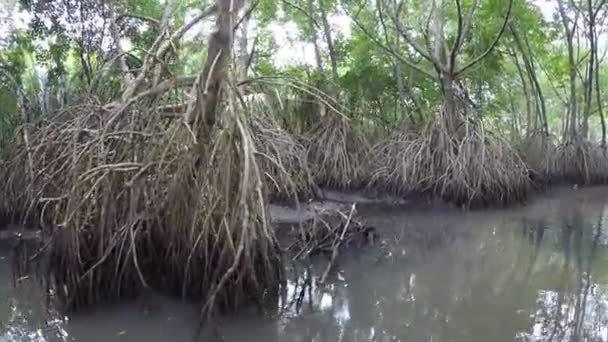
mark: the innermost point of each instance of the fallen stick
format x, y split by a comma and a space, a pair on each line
336, 245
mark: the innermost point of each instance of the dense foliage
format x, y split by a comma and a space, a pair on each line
514, 63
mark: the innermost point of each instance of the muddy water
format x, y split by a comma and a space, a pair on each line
533, 273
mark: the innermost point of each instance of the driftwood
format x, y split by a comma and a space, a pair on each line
328, 233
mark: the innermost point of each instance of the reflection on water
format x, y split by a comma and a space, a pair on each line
536, 273
21, 316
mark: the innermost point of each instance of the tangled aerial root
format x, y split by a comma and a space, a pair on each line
581, 162
336, 154
397, 163
130, 200
476, 168
537, 152
281, 158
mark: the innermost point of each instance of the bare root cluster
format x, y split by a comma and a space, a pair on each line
281, 157
581, 162
336, 154
471, 167
537, 152
131, 200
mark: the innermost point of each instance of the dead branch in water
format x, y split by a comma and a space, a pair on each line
329, 232
336, 245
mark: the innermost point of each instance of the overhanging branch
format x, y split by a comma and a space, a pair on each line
493, 45
391, 51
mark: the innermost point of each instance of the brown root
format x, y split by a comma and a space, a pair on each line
475, 168
537, 152
398, 162
581, 162
131, 200
336, 154
282, 159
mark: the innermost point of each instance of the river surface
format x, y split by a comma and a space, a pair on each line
531, 273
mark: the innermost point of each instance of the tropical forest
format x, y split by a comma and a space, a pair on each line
304, 170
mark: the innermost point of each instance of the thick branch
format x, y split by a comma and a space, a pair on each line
400, 58
411, 41
455, 46
115, 32
493, 45
464, 25
164, 30
427, 27
330, 42
467, 24
177, 35
160, 47
138, 17
599, 7
303, 11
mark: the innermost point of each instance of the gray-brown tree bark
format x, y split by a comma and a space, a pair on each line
569, 30
219, 55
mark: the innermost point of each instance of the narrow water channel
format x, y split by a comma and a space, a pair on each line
532, 273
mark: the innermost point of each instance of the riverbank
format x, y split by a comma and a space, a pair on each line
510, 262
289, 213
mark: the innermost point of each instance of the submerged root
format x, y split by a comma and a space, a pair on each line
336, 155
476, 168
131, 201
581, 162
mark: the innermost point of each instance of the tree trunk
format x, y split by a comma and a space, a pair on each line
598, 97
333, 56
409, 89
243, 51
526, 95
542, 107
122, 59
448, 108
218, 57
588, 81
572, 103
314, 39
524, 47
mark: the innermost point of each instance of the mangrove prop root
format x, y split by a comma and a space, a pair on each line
579, 161
337, 154
471, 166
129, 200
281, 158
